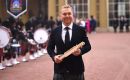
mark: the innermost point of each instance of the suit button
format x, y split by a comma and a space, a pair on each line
67, 71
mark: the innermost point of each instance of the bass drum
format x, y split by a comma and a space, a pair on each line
5, 36
41, 36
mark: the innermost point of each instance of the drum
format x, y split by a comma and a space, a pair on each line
5, 36
15, 43
40, 36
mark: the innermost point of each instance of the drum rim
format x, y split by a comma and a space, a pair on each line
8, 35
36, 31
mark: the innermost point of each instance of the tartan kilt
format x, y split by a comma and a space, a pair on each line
67, 76
24, 47
32, 48
1, 52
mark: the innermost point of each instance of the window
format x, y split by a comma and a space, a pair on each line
118, 8
80, 8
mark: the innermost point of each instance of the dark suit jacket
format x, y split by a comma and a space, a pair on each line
71, 64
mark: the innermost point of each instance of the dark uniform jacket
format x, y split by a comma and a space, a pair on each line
71, 64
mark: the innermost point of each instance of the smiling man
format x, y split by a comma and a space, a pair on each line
62, 39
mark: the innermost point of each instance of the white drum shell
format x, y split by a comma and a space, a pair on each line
40, 36
4, 37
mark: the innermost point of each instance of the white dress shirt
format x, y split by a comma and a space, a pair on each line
64, 31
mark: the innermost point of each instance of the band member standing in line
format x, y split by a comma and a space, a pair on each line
32, 44
1, 52
1, 55
63, 38
121, 23
115, 24
24, 44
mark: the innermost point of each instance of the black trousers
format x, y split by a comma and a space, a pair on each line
68, 76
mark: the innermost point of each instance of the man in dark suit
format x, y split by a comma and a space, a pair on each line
63, 38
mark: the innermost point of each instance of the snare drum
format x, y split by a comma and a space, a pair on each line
5, 36
40, 36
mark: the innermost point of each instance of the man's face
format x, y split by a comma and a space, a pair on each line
66, 16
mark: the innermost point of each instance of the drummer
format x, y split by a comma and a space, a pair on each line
32, 44
24, 43
15, 46
1, 55
6, 50
41, 40
7, 56
1, 52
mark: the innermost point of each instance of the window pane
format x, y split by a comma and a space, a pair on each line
85, 1
111, 0
80, 7
80, 1
74, 1
118, 7
85, 7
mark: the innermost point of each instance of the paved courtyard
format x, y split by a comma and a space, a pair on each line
109, 59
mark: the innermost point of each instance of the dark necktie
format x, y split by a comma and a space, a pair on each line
67, 36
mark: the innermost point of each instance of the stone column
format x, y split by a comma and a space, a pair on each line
103, 13
51, 8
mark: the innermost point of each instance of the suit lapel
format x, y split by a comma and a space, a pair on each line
60, 35
73, 32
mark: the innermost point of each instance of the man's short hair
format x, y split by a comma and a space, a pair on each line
66, 6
